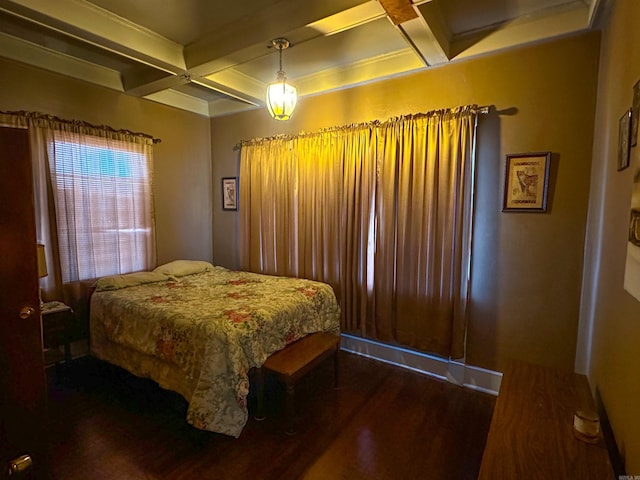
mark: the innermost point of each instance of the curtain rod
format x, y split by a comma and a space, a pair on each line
78, 123
483, 110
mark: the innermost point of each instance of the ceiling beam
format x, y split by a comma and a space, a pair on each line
595, 11
53, 61
87, 22
226, 83
208, 61
177, 99
160, 64
216, 67
439, 34
424, 43
226, 106
143, 82
250, 37
348, 19
91, 24
422, 27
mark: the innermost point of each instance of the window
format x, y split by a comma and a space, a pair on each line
102, 190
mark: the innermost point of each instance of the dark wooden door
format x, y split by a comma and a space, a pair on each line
22, 378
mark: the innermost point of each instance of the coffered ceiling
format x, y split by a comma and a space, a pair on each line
215, 58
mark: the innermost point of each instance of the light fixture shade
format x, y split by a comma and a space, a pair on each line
281, 99
42, 261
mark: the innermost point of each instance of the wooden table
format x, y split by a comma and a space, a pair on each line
531, 434
57, 320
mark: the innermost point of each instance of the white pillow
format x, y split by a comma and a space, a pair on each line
180, 268
115, 282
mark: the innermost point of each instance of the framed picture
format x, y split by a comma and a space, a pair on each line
634, 227
526, 180
229, 193
624, 130
635, 113
632, 263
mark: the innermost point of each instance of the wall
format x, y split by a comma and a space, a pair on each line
610, 323
527, 267
182, 161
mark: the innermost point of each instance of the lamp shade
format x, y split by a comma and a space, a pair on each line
42, 261
281, 99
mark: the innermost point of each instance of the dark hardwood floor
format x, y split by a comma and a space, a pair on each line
382, 422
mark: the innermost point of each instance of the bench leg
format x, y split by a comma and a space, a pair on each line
336, 369
290, 409
67, 353
259, 415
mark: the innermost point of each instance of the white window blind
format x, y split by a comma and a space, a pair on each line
102, 190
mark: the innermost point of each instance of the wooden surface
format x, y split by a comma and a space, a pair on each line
383, 422
399, 11
22, 378
531, 434
57, 320
297, 359
292, 363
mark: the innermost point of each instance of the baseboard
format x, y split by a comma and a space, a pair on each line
452, 371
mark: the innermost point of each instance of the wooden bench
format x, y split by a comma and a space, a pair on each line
531, 434
291, 363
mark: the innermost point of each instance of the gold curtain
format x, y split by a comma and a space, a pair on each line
381, 211
290, 198
423, 238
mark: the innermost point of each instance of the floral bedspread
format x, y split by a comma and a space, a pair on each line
214, 326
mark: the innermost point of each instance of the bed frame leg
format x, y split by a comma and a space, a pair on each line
259, 415
290, 409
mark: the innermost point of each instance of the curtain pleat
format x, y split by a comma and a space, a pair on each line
357, 232
380, 211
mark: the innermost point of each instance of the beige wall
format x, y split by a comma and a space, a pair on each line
182, 162
527, 267
610, 325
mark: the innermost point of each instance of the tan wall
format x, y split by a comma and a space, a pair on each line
613, 314
527, 267
182, 162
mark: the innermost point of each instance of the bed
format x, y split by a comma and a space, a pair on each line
197, 329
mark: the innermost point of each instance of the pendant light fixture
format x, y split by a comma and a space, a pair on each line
281, 96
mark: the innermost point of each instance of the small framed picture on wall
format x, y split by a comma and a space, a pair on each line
229, 193
526, 179
635, 114
624, 132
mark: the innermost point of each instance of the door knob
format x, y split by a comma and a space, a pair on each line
20, 464
26, 312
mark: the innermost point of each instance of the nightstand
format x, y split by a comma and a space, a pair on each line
57, 320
